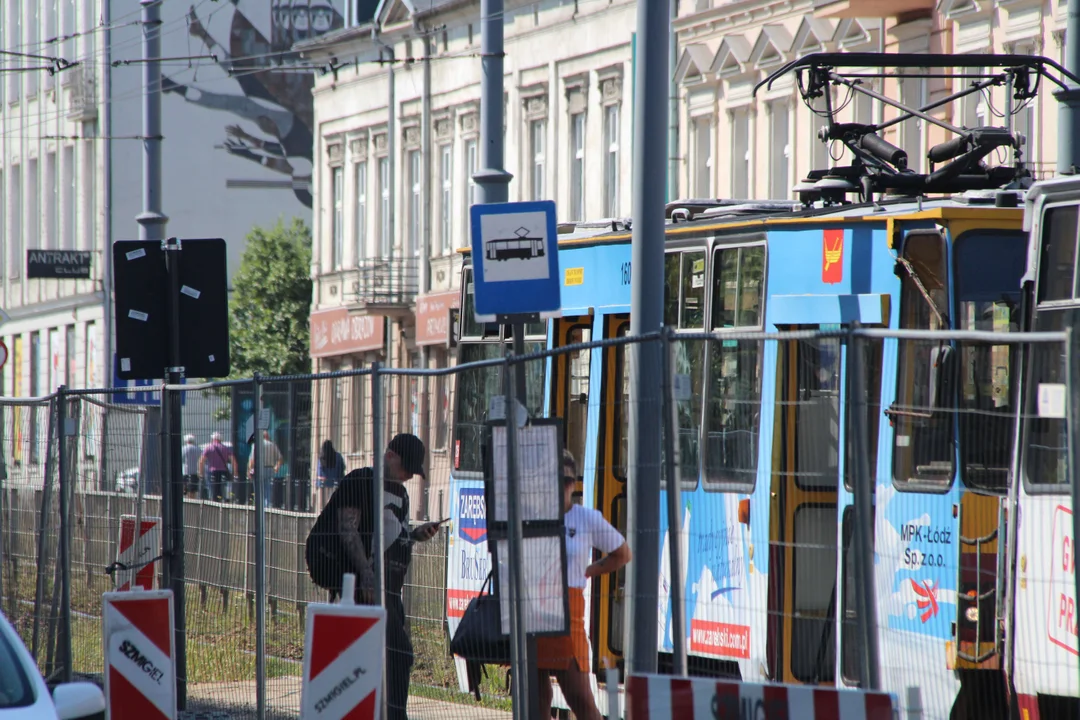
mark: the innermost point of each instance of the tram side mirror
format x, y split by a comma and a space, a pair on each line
941, 375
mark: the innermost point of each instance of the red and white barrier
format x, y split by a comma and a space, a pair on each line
132, 552
140, 670
344, 647
662, 697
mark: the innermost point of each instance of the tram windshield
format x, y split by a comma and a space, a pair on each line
476, 388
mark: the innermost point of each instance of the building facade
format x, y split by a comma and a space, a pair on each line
393, 190
51, 175
735, 144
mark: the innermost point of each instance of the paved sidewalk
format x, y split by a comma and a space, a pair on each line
230, 701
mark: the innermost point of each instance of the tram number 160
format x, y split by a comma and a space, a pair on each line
624, 271
917, 559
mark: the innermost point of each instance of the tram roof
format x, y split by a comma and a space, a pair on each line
727, 215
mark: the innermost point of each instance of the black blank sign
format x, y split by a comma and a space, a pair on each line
141, 284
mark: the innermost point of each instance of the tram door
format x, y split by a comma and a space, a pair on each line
803, 516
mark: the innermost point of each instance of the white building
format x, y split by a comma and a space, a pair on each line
392, 212
51, 175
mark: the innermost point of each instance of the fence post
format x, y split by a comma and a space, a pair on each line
674, 511
64, 476
258, 486
42, 547
863, 489
378, 544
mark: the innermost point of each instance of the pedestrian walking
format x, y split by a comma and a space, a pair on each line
271, 462
219, 463
330, 470
567, 656
342, 541
191, 467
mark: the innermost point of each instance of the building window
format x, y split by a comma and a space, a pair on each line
577, 166
912, 94
611, 160
819, 152
472, 158
67, 199
537, 137
360, 222
89, 236
864, 106
384, 207
446, 199
415, 201
337, 223
33, 203
740, 154
702, 157
779, 150
33, 40
15, 39
48, 239
972, 107
14, 196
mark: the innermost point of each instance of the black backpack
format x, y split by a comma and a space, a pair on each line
325, 555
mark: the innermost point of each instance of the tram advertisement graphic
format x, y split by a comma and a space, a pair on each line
470, 560
1061, 616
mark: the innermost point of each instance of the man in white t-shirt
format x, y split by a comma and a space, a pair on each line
567, 656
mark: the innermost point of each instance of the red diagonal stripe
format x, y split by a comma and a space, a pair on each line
726, 701
775, 698
826, 705
364, 710
878, 706
151, 617
682, 699
127, 703
637, 698
332, 635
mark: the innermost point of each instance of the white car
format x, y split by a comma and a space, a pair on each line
24, 695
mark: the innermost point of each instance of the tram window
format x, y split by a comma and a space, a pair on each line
577, 393
692, 312
813, 640
1058, 262
469, 326
734, 381
1046, 438
689, 359
817, 414
617, 613
622, 405
923, 448
850, 647
672, 265
872, 353
987, 298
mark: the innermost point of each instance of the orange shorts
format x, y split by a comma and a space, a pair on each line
561, 651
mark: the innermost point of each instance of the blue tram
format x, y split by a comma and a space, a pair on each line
763, 464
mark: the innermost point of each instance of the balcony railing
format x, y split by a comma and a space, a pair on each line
82, 85
382, 281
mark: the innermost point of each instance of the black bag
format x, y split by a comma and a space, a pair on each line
479, 635
324, 556
479, 639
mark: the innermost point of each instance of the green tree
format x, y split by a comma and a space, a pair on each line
271, 302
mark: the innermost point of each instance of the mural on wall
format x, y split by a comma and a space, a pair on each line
284, 119
237, 115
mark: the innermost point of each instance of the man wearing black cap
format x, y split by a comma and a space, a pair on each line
349, 511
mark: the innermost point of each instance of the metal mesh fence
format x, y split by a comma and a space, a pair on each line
770, 438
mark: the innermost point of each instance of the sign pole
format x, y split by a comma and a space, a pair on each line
519, 641
646, 316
